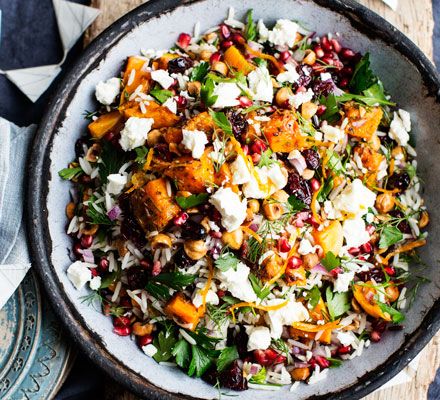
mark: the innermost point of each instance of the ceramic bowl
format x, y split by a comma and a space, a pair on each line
406, 73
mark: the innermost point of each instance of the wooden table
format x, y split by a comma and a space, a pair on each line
414, 18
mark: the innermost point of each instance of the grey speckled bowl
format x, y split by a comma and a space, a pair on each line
406, 73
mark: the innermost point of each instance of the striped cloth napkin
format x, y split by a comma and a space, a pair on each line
14, 256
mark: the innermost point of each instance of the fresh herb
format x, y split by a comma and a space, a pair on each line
98, 302
259, 378
281, 346
334, 363
397, 316
112, 161
70, 173
253, 108
371, 97
363, 77
164, 344
251, 31
218, 314
182, 353
295, 205
389, 235
220, 152
364, 336
89, 114
141, 155
330, 261
325, 190
159, 285
227, 357
157, 290
313, 296
334, 162
266, 159
97, 213
206, 93
192, 200
226, 261
200, 362
109, 278
161, 95
260, 290
221, 121
337, 303
199, 71
331, 113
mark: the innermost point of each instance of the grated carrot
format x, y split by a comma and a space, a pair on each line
259, 307
266, 56
400, 204
149, 158
406, 247
384, 190
313, 205
252, 233
306, 327
392, 166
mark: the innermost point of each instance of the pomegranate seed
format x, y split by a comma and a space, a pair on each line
121, 321
286, 104
144, 340
381, 326
86, 241
225, 31
362, 258
180, 218
258, 147
157, 267
260, 357
274, 356
77, 249
325, 44
103, 264
318, 68
343, 84
221, 293
215, 235
367, 247
301, 89
145, 264
322, 362
245, 149
226, 43
237, 38
321, 110
256, 158
94, 272
375, 336
245, 101
313, 221
294, 262
315, 184
336, 271
327, 60
312, 361
319, 52
354, 251
183, 40
336, 45
284, 245
181, 102
344, 350
347, 53
390, 271
347, 71
370, 229
285, 55
215, 57
338, 64
109, 136
122, 331
299, 223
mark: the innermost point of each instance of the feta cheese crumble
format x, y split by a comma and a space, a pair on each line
227, 93
271, 178
292, 312
195, 141
135, 132
283, 33
332, 133
116, 182
171, 104
398, 132
258, 337
295, 100
95, 283
162, 77
106, 92
342, 283
232, 210
211, 297
290, 75
260, 84
79, 274
237, 282
355, 199
354, 232
240, 172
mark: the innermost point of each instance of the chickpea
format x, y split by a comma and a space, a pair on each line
253, 205
310, 57
397, 152
308, 110
90, 229
355, 306
205, 55
195, 249
300, 374
309, 261
272, 210
281, 196
205, 224
70, 210
374, 238
282, 96
142, 329
374, 143
275, 83
220, 67
175, 148
161, 241
424, 219
384, 203
308, 174
154, 137
233, 239
93, 152
194, 88
393, 292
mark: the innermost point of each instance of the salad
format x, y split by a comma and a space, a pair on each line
246, 205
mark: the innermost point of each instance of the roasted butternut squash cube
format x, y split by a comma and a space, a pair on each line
362, 121
271, 267
182, 311
133, 79
236, 61
282, 131
365, 297
330, 238
172, 134
324, 338
370, 159
111, 121
201, 122
162, 116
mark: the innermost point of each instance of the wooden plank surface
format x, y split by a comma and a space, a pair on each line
415, 19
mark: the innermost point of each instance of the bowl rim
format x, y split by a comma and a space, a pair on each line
364, 20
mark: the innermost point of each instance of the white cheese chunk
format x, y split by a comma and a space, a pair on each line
259, 337
398, 131
135, 132
355, 199
295, 100
305, 247
171, 104
95, 283
290, 75
79, 274
405, 116
283, 33
346, 338
162, 77
260, 84
342, 283
325, 76
332, 133
273, 174
116, 182
195, 141
227, 93
106, 92
211, 297
150, 350
237, 282
232, 210
292, 312
240, 172
354, 232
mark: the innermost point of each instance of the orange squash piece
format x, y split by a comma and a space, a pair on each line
182, 311
201, 122
370, 159
282, 131
364, 295
296, 276
111, 121
362, 121
140, 78
271, 267
236, 61
172, 134
330, 238
162, 116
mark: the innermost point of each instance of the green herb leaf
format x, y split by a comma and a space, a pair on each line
112, 161
330, 261
200, 361
253, 108
226, 262
363, 77
206, 91
334, 161
260, 377
251, 32
397, 316
313, 297
221, 121
202, 339
227, 357
97, 213
161, 95
182, 352
369, 100
389, 235
337, 303
175, 280
70, 173
334, 363
141, 153
192, 201
257, 285
108, 279
266, 160
331, 114
157, 290
89, 114
164, 343
296, 205
199, 71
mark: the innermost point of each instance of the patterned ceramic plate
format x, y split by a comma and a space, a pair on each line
34, 357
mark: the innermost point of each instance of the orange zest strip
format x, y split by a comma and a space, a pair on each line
252, 233
259, 307
406, 247
400, 204
204, 292
262, 55
392, 166
149, 158
306, 327
313, 206
384, 190
324, 162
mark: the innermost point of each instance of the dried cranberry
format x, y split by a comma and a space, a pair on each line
312, 158
375, 273
305, 75
300, 188
124, 202
182, 260
388, 142
240, 339
179, 64
193, 230
130, 230
403, 226
136, 277
239, 124
231, 378
399, 180
161, 151
323, 87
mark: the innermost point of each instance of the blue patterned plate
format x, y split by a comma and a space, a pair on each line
34, 357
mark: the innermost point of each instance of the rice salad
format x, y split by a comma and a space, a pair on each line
246, 205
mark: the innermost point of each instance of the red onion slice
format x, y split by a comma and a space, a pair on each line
298, 165
114, 213
88, 256
301, 364
320, 269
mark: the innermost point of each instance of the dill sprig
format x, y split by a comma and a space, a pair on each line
221, 156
